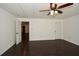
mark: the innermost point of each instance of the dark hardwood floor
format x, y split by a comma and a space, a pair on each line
56, 47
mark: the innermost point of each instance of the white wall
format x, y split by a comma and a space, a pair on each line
7, 30
59, 29
71, 29
41, 29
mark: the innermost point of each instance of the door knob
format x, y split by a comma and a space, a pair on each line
17, 33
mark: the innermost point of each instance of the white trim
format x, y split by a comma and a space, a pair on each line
71, 42
40, 39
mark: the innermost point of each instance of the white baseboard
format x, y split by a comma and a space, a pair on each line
7, 49
72, 42
40, 39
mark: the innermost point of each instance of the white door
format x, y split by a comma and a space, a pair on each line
18, 31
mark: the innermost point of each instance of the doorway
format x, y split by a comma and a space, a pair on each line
25, 31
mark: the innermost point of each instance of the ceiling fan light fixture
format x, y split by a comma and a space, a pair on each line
51, 12
56, 12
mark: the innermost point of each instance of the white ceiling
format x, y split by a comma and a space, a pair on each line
31, 10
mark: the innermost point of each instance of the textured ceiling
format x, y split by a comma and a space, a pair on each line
31, 10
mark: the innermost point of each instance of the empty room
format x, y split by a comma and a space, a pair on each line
39, 29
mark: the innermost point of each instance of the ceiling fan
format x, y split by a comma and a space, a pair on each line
54, 8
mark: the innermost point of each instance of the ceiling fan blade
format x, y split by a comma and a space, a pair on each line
44, 10
51, 6
48, 13
59, 11
65, 5
55, 6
